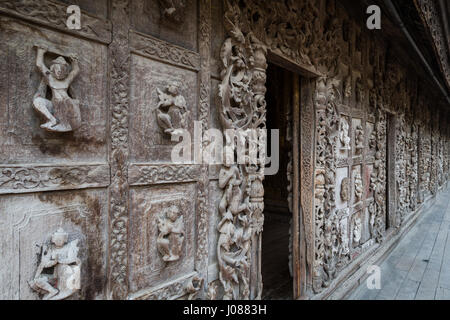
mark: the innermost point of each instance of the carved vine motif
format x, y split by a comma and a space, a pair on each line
160, 50
171, 111
202, 255
43, 177
242, 107
120, 78
170, 234
188, 287
59, 259
148, 174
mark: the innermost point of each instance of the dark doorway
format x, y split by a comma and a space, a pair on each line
391, 202
276, 241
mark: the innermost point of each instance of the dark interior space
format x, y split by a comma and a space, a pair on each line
277, 279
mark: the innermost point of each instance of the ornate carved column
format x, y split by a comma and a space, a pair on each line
327, 123
243, 110
204, 97
378, 177
118, 192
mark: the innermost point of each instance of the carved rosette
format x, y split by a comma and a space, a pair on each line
242, 107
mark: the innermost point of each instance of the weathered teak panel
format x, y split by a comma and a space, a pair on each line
37, 164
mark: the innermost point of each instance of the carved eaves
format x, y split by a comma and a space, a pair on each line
433, 15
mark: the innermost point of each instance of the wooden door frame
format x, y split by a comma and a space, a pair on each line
296, 265
303, 152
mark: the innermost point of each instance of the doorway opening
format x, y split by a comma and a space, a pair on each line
390, 169
277, 273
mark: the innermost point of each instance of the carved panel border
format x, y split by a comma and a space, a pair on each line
204, 42
160, 50
168, 291
53, 14
35, 178
118, 192
149, 174
307, 160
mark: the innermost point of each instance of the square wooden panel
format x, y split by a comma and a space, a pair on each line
28, 221
148, 17
21, 138
148, 142
147, 267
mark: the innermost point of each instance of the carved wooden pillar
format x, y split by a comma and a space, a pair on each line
243, 110
327, 122
204, 40
119, 55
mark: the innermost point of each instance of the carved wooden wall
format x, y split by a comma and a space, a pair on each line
359, 86
149, 229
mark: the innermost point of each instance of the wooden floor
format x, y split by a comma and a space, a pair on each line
419, 267
277, 283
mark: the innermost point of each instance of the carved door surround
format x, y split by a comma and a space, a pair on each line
244, 65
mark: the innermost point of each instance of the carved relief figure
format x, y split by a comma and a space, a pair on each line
360, 95
171, 234
193, 288
372, 216
358, 187
171, 111
348, 88
343, 135
345, 185
62, 257
357, 226
62, 112
344, 250
173, 10
373, 140
234, 240
359, 137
